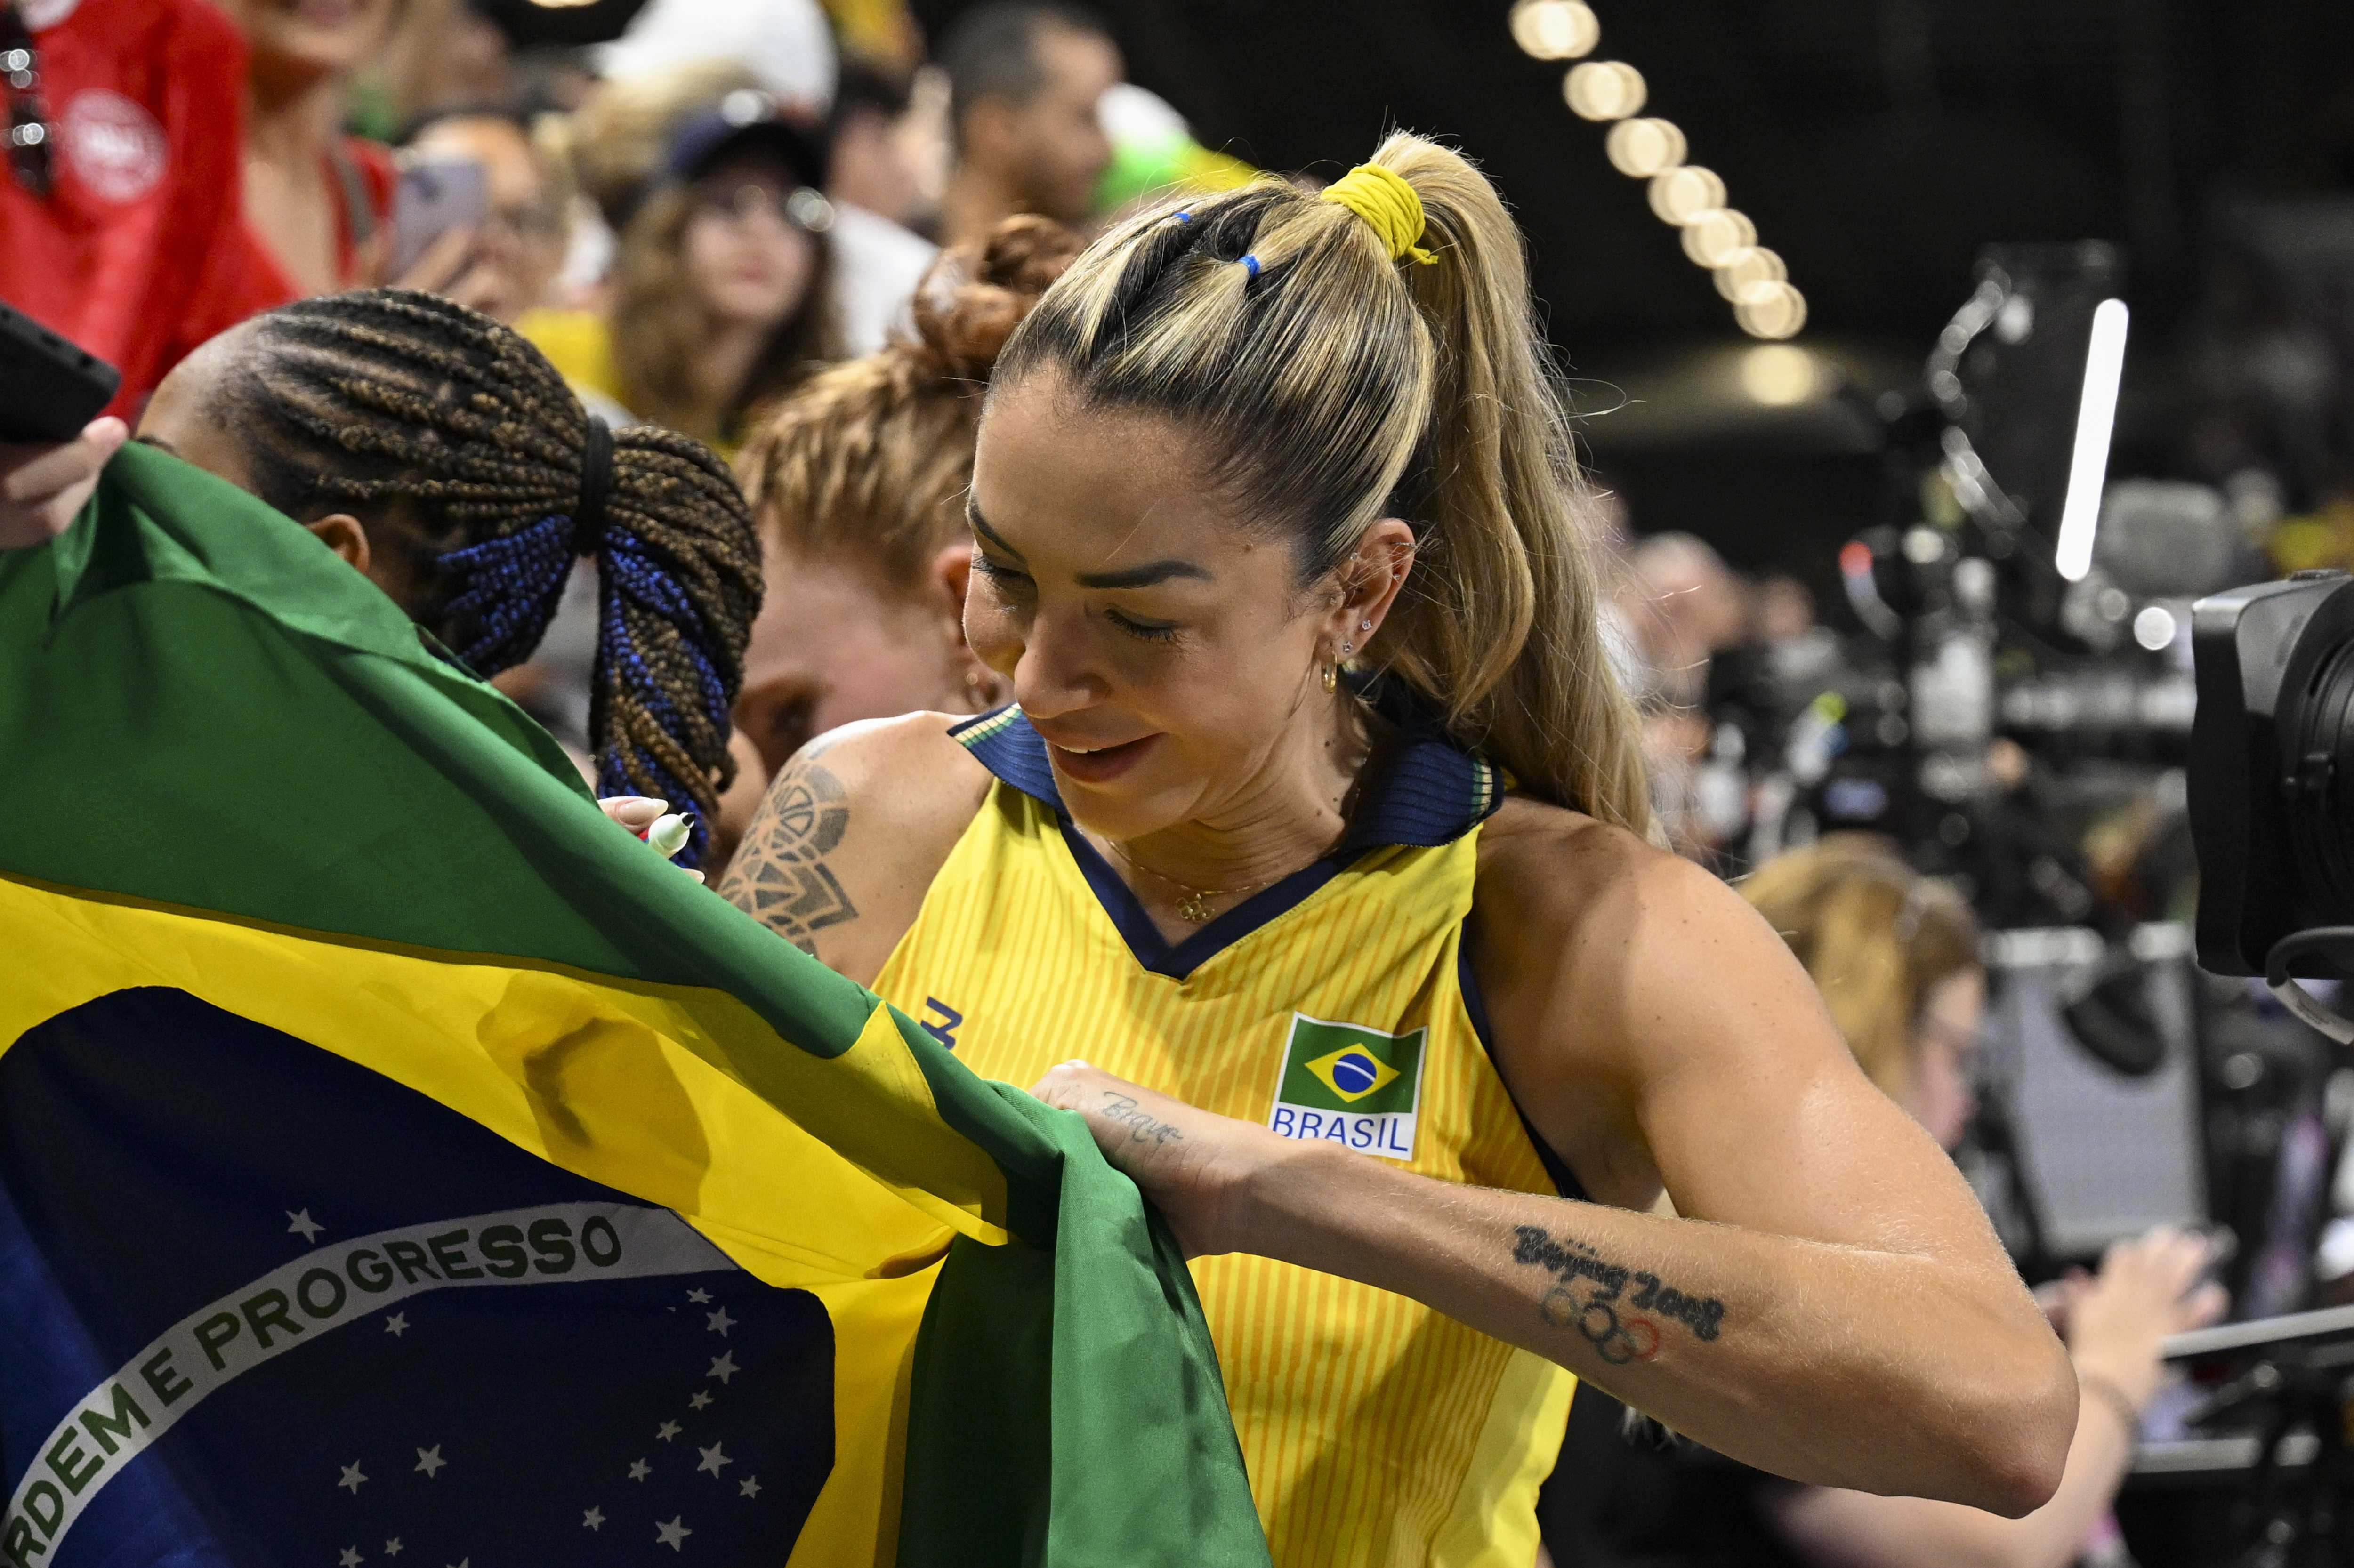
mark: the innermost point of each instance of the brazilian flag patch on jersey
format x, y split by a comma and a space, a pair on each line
1355, 1085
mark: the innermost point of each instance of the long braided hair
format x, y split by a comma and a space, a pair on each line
461, 448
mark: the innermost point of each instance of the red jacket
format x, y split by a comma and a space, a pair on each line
140, 253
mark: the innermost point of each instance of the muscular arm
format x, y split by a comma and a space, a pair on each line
1836, 1309
850, 835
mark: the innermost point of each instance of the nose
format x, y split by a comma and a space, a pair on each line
1054, 673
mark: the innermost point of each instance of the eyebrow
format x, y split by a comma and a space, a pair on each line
1146, 576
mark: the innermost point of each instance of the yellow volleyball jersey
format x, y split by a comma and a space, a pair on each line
1332, 1005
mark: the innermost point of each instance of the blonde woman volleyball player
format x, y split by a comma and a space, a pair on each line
1318, 827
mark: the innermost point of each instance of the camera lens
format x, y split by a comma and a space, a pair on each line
2320, 815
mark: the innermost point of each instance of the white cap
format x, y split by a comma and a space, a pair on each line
785, 43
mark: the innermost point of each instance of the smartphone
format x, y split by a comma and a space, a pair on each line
49, 388
436, 195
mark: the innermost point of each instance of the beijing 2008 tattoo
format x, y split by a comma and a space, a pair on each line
1607, 1315
781, 876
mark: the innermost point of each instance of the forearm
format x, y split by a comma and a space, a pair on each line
1851, 1527
1835, 1365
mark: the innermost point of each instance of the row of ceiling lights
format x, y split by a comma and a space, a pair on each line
1690, 197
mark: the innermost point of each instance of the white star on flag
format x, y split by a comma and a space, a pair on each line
724, 1368
666, 1431
713, 1458
299, 1223
672, 1533
393, 1548
749, 1486
720, 1321
699, 1400
594, 1519
352, 1478
430, 1461
641, 1470
397, 1325
350, 1559
700, 1298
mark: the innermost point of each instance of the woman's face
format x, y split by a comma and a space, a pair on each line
1163, 650
746, 260
323, 37
831, 647
1945, 1057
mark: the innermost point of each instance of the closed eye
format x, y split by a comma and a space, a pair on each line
1146, 630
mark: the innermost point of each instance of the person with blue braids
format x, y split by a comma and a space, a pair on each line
440, 454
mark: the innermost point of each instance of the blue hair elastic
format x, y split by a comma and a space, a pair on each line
1250, 265
1185, 218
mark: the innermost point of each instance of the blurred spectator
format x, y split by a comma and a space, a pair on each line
1895, 956
857, 482
784, 44
132, 183
1025, 81
875, 196
722, 297
319, 201
442, 55
519, 248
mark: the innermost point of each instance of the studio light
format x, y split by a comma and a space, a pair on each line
1642, 148
1713, 239
2097, 417
1752, 265
1550, 29
1682, 195
1770, 311
1778, 375
1604, 90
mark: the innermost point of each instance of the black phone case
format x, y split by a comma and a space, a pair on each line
49, 388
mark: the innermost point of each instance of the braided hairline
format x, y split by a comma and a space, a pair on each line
495, 449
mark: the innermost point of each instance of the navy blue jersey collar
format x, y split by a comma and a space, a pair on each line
1431, 792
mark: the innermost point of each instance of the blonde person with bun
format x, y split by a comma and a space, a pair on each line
858, 482
1318, 824
1896, 958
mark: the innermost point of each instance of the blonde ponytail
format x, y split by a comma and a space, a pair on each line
1334, 386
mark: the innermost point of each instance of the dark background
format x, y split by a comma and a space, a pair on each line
1877, 143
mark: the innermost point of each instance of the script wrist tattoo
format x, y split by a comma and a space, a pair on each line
781, 876
1142, 1126
1620, 1327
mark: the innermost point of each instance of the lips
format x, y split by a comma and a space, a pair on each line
1101, 764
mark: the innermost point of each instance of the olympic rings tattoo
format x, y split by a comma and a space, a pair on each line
1616, 1342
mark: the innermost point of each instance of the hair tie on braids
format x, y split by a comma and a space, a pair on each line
463, 451
596, 484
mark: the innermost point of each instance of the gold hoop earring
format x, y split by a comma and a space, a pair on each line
1331, 677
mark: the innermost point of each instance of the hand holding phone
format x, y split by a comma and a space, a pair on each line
43, 485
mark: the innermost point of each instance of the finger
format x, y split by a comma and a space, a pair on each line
67, 464
2205, 1305
635, 812
437, 265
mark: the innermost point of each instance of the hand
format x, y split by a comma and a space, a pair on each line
1200, 1169
42, 486
2147, 1289
637, 813
451, 267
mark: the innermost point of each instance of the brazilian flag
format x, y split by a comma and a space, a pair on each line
401, 1165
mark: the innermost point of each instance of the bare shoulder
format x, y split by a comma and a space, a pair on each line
1608, 966
851, 834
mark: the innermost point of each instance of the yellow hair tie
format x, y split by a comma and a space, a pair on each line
1383, 198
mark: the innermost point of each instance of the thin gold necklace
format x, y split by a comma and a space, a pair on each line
1194, 908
